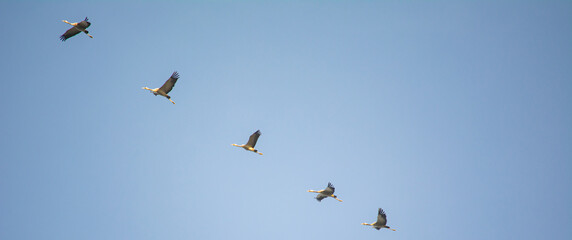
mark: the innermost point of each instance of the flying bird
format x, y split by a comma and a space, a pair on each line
166, 88
328, 192
77, 28
249, 146
381, 221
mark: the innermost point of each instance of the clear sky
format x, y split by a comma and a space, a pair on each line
455, 117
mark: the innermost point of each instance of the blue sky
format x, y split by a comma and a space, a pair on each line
453, 116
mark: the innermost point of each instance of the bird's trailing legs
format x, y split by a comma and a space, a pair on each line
253, 150
336, 198
171, 101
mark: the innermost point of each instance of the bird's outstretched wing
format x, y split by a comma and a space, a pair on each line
69, 33
320, 196
330, 189
253, 139
381, 218
170, 83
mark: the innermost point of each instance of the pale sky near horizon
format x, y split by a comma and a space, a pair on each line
455, 117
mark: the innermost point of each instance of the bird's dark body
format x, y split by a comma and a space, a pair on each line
83, 24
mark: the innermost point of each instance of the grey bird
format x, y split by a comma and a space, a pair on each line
166, 88
328, 192
381, 221
77, 28
249, 146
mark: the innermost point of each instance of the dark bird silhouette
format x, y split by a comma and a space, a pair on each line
381, 221
77, 28
166, 88
249, 146
328, 192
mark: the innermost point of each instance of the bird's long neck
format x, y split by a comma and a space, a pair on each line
314, 191
73, 24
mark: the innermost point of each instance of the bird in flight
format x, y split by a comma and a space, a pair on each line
249, 146
381, 221
77, 28
328, 192
166, 88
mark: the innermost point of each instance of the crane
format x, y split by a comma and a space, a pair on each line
166, 88
328, 192
77, 28
381, 221
249, 146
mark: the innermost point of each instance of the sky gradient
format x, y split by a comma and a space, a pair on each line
453, 116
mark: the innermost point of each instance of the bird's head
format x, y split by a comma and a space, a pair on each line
145, 88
